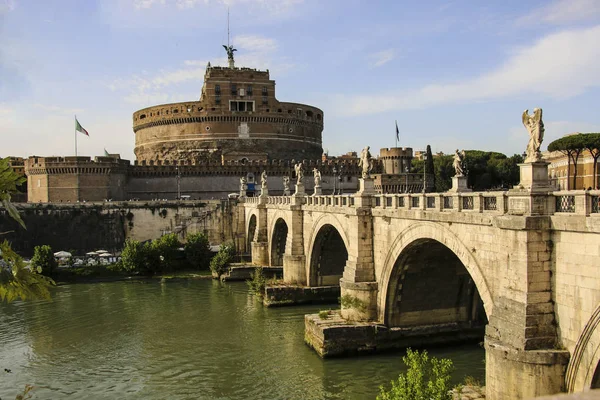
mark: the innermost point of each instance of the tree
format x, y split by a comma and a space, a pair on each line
165, 251
197, 251
43, 260
572, 146
427, 378
17, 281
134, 257
429, 167
220, 262
9, 183
592, 144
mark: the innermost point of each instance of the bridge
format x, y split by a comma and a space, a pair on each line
523, 265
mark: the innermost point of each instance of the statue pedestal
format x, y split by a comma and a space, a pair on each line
534, 176
530, 196
300, 189
264, 192
318, 191
286, 192
366, 186
459, 184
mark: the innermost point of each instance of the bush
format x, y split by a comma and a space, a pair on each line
258, 282
135, 257
165, 254
220, 262
426, 379
43, 260
197, 251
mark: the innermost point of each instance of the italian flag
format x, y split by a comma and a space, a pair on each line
80, 128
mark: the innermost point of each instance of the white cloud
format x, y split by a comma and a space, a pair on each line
255, 43
58, 110
382, 57
274, 7
562, 12
560, 65
144, 89
6, 6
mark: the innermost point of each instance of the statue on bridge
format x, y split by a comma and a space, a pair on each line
286, 185
243, 186
299, 173
263, 180
457, 163
535, 127
365, 162
317, 176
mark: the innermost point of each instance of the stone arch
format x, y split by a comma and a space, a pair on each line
251, 230
277, 242
430, 231
583, 371
328, 241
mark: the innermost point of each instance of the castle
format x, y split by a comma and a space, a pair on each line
201, 149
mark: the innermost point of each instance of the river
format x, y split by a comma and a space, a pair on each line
197, 339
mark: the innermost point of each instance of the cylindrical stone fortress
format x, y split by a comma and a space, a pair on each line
236, 118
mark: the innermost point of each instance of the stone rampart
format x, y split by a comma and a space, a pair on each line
91, 226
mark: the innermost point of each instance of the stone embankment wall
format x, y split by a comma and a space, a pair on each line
86, 227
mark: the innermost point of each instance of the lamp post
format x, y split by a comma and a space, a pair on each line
178, 185
334, 179
424, 171
341, 189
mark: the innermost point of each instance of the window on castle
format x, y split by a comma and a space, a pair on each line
249, 90
217, 99
265, 100
233, 89
265, 91
217, 89
241, 106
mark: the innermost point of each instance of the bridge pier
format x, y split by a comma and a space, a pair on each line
294, 259
260, 247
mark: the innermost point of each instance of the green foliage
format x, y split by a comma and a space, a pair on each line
573, 145
135, 257
324, 314
197, 251
427, 378
220, 262
429, 163
43, 260
165, 253
9, 183
485, 170
258, 282
18, 281
349, 301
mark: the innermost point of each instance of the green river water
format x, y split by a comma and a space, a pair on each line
197, 339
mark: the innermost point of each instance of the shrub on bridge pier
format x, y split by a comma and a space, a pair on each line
427, 378
43, 259
220, 262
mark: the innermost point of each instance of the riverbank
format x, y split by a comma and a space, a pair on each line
108, 273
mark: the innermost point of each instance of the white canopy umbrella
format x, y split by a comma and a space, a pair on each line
91, 253
62, 254
101, 251
106, 255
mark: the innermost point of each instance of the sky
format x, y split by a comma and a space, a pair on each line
453, 74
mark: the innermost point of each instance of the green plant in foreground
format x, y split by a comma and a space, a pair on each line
197, 251
427, 378
324, 314
258, 282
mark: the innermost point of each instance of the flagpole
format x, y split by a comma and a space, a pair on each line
396, 133
75, 135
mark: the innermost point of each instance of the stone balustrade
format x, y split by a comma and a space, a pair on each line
576, 202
